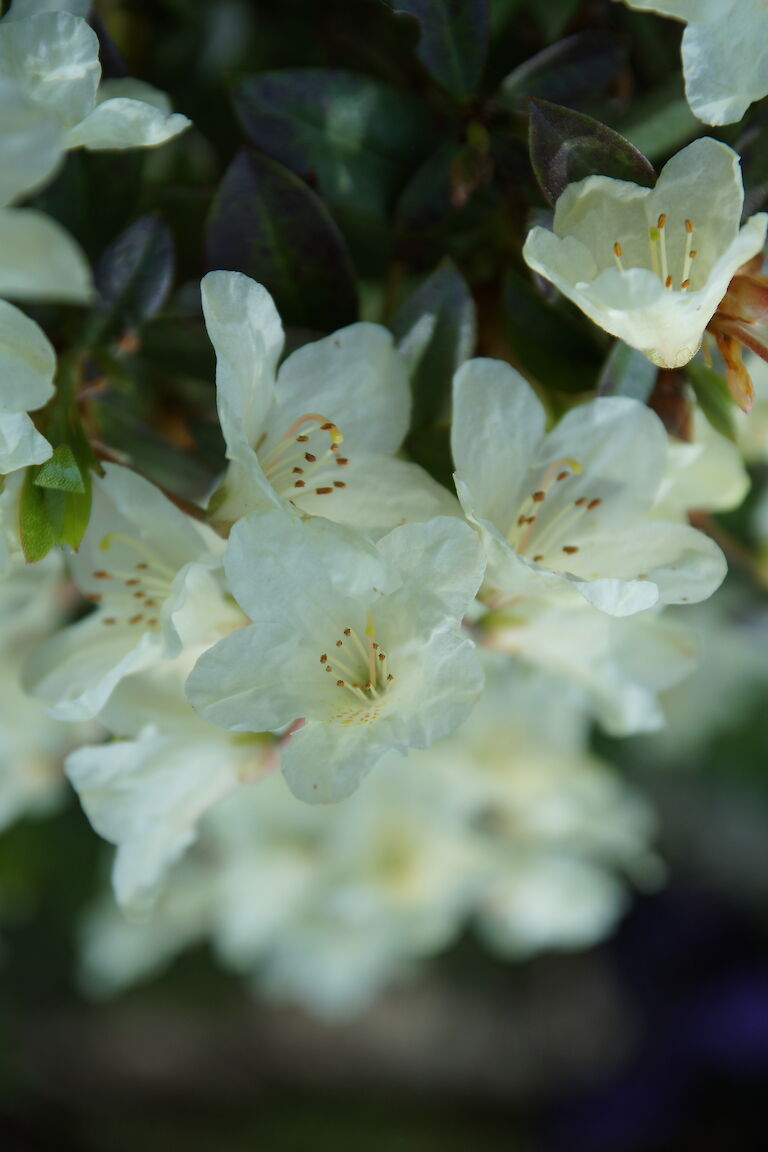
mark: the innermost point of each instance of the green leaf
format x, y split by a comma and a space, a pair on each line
453, 40
713, 397
551, 341
569, 70
436, 330
61, 472
567, 146
134, 273
266, 222
355, 138
627, 372
35, 529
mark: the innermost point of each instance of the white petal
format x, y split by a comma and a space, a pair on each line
39, 260
22, 9
325, 763
725, 62
30, 143
20, 443
442, 557
55, 58
247, 335
256, 680
381, 492
27, 362
498, 423
124, 123
357, 379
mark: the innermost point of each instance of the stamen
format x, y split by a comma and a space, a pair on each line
688, 258
617, 253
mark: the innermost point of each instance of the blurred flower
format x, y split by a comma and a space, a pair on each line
567, 512
741, 320
724, 61
362, 642
705, 473
54, 58
320, 435
27, 366
652, 265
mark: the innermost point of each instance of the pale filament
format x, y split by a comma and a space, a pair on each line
291, 463
659, 257
342, 661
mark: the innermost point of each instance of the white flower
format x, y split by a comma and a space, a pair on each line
567, 512
152, 574
362, 642
651, 265
724, 58
54, 58
27, 366
705, 473
146, 790
617, 665
320, 435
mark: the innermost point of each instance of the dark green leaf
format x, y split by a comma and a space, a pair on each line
567, 146
353, 138
627, 372
453, 40
713, 397
550, 340
35, 528
436, 332
134, 274
266, 222
61, 472
569, 70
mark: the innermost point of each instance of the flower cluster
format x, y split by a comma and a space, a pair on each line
224, 673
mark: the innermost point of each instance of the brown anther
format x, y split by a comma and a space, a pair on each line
152, 622
328, 668
375, 645
686, 283
668, 282
339, 643
299, 484
339, 484
538, 558
323, 491
689, 227
324, 658
142, 565
139, 595
297, 471
618, 249
538, 496
329, 427
594, 503
302, 439
100, 575
581, 500
136, 619
342, 461
339, 683
562, 475
150, 603
382, 655
309, 457
134, 580
347, 631
693, 253
661, 220
367, 687
109, 620
570, 549
390, 676
530, 519
521, 520
94, 597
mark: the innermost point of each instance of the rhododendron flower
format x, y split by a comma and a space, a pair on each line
153, 575
319, 436
54, 58
567, 512
362, 642
652, 265
724, 58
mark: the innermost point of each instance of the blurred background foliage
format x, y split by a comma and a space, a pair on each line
362, 158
